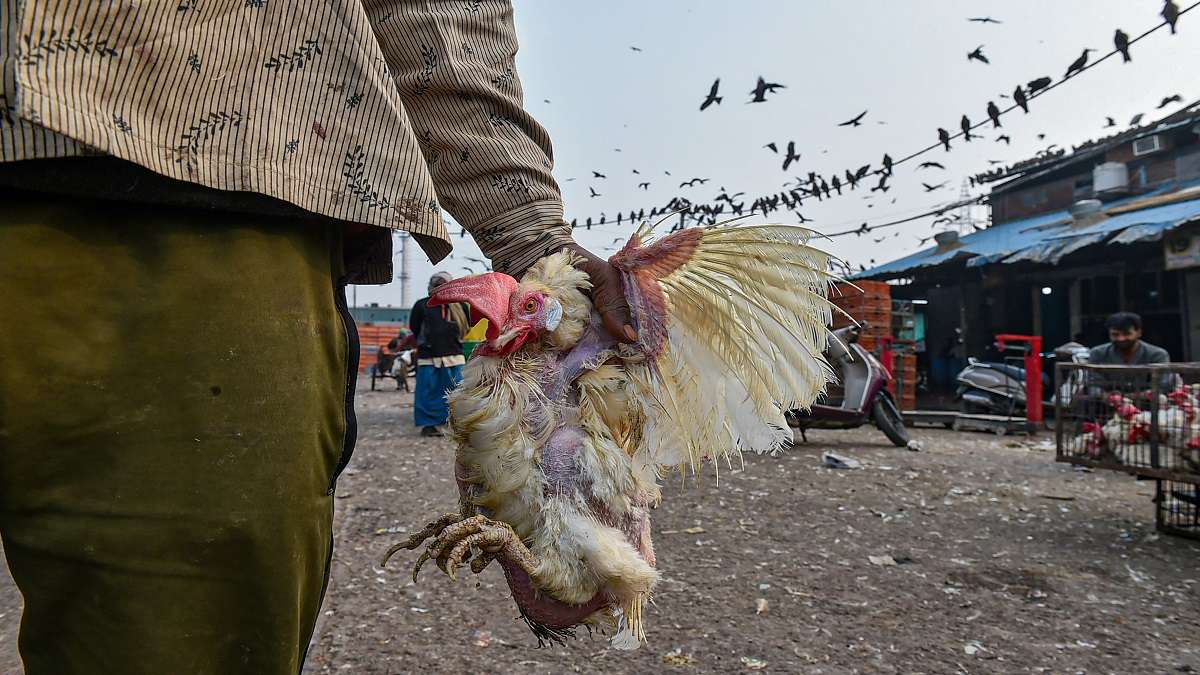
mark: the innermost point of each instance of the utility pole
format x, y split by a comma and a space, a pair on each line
403, 276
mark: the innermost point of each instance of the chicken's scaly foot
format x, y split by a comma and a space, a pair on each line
493, 538
419, 537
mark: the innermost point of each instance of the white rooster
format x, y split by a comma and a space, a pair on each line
563, 434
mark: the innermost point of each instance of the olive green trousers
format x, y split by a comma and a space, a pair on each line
174, 410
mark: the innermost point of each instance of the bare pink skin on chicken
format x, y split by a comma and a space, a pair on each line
559, 462
514, 320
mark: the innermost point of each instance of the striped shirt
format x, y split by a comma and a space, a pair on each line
378, 112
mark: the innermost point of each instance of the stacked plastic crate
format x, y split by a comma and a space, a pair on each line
870, 304
904, 378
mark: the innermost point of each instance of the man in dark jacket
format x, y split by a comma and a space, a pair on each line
439, 332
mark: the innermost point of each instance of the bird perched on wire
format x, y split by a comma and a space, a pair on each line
1039, 84
977, 55
965, 125
944, 138
1077, 65
1170, 13
562, 433
1020, 99
993, 112
1121, 42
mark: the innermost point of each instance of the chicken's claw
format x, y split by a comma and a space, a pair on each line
452, 547
417, 538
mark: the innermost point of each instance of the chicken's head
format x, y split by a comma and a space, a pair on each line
545, 310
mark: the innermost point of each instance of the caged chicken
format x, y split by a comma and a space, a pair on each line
562, 434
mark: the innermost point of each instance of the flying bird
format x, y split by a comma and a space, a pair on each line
1109, 122
791, 155
931, 188
983, 19
636, 49
761, 90
562, 435
1039, 84
882, 186
597, 174
1170, 12
856, 121
1019, 99
1137, 119
1176, 98
977, 55
644, 186
930, 165
1121, 41
693, 182
636, 172
1004, 138
944, 138
772, 147
712, 95
593, 192
1078, 64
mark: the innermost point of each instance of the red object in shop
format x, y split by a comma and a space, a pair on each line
886, 356
1033, 372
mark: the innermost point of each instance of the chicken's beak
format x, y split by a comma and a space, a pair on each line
489, 296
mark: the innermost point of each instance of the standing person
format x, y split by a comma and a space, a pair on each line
439, 332
212, 174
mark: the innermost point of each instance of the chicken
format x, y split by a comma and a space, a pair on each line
562, 434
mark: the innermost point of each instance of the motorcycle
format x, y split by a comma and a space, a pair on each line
865, 396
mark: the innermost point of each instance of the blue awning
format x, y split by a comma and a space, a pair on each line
1048, 237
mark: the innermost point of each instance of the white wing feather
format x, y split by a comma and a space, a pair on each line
747, 316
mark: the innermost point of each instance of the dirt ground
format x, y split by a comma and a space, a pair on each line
978, 554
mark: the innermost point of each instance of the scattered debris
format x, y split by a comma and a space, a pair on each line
914, 446
481, 638
752, 663
882, 560
761, 606
835, 461
694, 530
676, 657
1060, 498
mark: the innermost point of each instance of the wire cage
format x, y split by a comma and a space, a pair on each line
1143, 420
1178, 508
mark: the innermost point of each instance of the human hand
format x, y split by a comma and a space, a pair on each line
607, 293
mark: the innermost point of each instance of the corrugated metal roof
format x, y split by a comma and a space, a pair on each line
1048, 237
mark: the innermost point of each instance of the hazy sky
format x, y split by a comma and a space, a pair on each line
903, 60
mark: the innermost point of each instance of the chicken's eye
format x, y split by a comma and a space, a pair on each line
531, 305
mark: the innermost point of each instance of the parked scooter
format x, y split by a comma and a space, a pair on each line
865, 399
996, 388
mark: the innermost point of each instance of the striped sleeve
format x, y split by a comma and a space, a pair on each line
453, 63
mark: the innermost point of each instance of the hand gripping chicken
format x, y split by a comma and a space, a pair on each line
562, 433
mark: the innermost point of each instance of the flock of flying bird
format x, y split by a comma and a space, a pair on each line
821, 187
